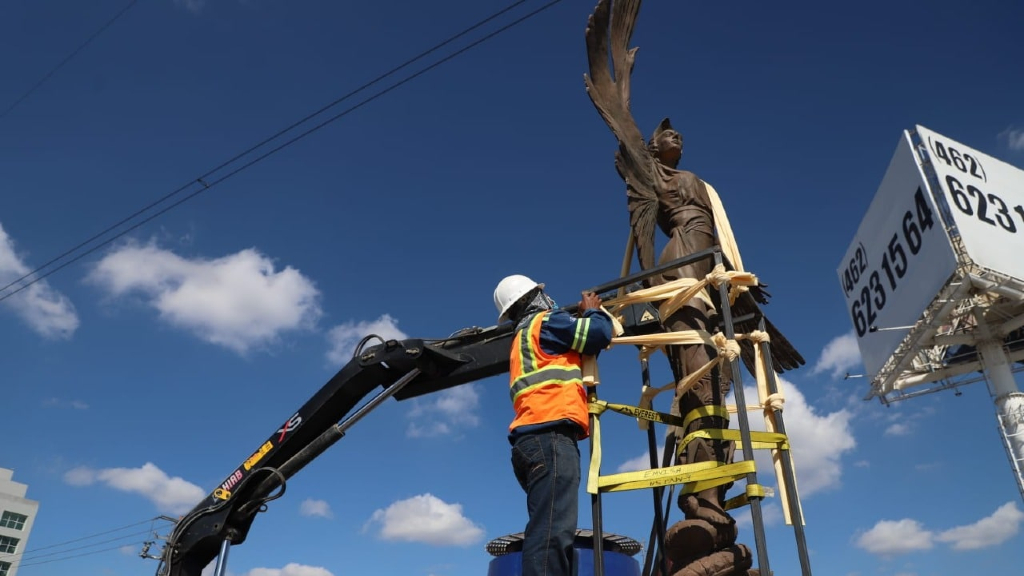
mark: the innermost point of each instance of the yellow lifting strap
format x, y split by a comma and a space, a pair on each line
752, 491
695, 477
600, 406
704, 412
758, 440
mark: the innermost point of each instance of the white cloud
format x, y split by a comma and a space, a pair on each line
46, 311
641, 462
290, 569
172, 495
892, 537
450, 409
817, 441
839, 355
1002, 525
311, 507
344, 337
1014, 139
129, 550
771, 513
898, 429
238, 301
427, 519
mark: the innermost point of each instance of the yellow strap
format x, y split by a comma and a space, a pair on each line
705, 412
647, 395
758, 440
600, 406
696, 477
595, 408
752, 491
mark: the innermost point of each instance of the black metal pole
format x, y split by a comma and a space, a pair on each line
678, 262
658, 492
595, 499
744, 425
666, 461
787, 465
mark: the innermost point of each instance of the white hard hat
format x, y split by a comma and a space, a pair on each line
509, 290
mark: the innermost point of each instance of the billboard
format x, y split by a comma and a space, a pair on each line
986, 199
898, 261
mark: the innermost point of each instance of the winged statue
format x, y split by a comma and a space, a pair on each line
658, 195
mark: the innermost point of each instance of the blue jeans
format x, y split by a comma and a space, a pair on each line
547, 466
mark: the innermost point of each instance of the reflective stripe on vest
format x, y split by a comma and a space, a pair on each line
535, 367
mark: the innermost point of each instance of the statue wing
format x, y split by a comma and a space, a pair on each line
611, 27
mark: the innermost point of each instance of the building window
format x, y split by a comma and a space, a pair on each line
4, 568
12, 520
8, 545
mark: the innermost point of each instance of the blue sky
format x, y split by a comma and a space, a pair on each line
136, 379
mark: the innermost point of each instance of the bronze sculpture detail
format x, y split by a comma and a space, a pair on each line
680, 204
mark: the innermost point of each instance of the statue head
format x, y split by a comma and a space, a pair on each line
666, 144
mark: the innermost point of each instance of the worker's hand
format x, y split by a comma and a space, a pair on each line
590, 301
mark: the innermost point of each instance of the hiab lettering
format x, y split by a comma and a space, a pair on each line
231, 481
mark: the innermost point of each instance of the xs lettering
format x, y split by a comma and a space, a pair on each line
293, 423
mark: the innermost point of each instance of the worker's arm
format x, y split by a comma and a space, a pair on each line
587, 335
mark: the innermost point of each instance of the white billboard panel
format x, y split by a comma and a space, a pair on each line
985, 197
898, 262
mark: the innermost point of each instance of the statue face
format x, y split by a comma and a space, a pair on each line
670, 146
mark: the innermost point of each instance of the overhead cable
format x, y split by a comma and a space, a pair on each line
203, 180
67, 59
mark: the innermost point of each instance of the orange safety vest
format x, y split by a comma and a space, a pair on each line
545, 387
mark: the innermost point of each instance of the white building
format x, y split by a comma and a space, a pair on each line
16, 516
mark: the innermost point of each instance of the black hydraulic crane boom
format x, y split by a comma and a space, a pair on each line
412, 367
404, 369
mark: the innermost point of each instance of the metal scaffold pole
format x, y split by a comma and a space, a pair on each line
756, 514
793, 499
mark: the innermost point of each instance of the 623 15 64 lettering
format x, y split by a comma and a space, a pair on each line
885, 278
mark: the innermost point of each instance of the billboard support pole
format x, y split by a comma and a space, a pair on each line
1008, 399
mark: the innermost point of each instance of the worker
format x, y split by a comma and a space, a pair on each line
550, 403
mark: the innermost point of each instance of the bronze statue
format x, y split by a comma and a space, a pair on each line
677, 202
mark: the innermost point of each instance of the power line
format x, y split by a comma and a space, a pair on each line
233, 159
76, 555
104, 533
33, 557
201, 180
67, 59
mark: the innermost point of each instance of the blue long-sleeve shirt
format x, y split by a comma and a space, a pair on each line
587, 335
